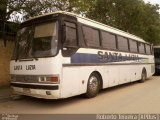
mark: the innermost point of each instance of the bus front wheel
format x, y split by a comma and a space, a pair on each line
93, 86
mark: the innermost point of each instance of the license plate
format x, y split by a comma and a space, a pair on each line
26, 90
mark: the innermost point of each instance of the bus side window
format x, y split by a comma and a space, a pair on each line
141, 48
148, 49
123, 43
91, 36
133, 46
108, 40
70, 35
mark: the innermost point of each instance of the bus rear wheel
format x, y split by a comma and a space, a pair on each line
93, 86
143, 76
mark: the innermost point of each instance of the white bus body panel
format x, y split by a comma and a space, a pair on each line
74, 77
112, 74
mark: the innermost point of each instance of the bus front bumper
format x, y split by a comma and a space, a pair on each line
38, 91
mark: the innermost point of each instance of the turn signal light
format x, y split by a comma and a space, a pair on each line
54, 79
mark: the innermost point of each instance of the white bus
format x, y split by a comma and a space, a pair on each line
61, 54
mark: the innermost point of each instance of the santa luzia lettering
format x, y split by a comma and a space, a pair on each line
116, 57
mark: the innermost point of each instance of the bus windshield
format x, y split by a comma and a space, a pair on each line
36, 41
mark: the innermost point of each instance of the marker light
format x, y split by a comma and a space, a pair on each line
54, 79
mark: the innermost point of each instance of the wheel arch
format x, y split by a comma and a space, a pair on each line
100, 77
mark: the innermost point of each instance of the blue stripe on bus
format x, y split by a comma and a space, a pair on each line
85, 58
94, 58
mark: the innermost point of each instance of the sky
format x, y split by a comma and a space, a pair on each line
153, 1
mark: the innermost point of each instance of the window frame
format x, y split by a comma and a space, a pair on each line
139, 48
99, 36
116, 48
127, 44
136, 45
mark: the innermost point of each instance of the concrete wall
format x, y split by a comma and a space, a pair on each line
5, 56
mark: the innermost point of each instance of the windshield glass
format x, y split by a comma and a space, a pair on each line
36, 41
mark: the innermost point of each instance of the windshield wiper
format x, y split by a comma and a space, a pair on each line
21, 60
27, 59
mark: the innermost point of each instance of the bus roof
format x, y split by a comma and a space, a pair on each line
93, 23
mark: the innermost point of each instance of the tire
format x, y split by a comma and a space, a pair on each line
93, 86
143, 76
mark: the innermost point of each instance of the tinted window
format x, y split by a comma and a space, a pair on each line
91, 36
156, 52
45, 30
122, 43
71, 35
108, 40
133, 46
141, 47
148, 49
